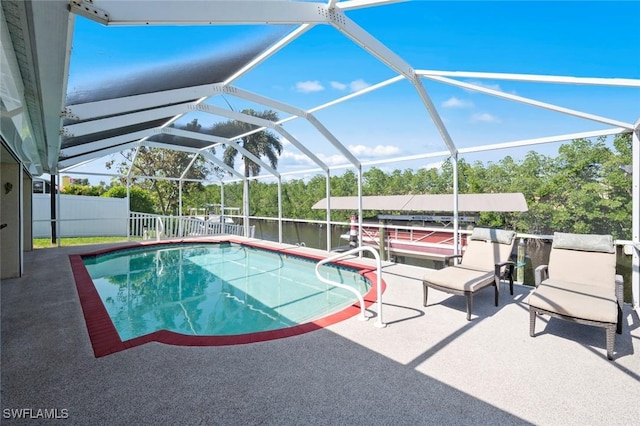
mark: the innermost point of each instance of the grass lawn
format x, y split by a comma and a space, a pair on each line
77, 241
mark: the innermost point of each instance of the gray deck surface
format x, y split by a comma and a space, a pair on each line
428, 366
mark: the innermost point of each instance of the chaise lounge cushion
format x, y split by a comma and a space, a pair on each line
500, 236
587, 267
595, 303
459, 278
583, 242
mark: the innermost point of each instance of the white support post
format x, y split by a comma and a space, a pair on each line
360, 208
245, 207
635, 212
180, 208
328, 195
279, 209
128, 208
56, 193
21, 217
222, 218
456, 245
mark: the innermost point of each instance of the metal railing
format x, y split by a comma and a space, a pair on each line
150, 226
379, 322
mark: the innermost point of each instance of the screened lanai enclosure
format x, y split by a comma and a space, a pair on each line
350, 86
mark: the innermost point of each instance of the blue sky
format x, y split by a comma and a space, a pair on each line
582, 39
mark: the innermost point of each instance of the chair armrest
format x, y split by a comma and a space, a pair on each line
541, 273
447, 260
510, 266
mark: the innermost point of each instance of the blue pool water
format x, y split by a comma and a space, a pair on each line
215, 289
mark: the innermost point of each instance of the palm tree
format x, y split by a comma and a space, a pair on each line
261, 144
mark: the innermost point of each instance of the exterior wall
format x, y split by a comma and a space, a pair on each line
10, 255
81, 216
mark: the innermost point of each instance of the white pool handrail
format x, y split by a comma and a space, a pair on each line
159, 228
379, 322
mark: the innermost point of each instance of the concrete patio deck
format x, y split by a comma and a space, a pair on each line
428, 366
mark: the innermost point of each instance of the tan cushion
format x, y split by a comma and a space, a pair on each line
583, 301
460, 279
591, 268
483, 255
583, 242
494, 235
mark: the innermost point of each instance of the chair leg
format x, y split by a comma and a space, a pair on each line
497, 292
611, 340
511, 280
619, 325
469, 304
426, 292
532, 322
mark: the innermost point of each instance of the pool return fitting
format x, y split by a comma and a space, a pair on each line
379, 323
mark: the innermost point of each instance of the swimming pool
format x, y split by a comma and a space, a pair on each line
214, 290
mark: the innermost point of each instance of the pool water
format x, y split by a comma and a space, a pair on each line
215, 289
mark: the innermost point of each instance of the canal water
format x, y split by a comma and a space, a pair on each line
315, 235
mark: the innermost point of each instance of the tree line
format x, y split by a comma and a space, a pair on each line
586, 188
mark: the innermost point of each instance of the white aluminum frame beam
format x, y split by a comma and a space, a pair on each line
186, 170
435, 117
331, 103
272, 103
369, 43
533, 102
268, 53
86, 158
360, 92
102, 144
90, 110
209, 156
217, 140
134, 103
596, 81
544, 140
99, 125
90, 156
357, 4
198, 12
238, 116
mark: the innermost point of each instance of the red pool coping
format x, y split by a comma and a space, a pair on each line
104, 336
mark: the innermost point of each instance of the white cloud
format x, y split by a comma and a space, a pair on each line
454, 102
302, 159
353, 86
295, 157
485, 117
376, 151
494, 86
332, 160
358, 84
309, 86
436, 165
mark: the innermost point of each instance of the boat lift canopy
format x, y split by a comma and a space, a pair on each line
502, 202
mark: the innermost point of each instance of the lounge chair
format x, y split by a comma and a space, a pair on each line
580, 284
485, 261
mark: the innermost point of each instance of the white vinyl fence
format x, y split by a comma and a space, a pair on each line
81, 216
84, 216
